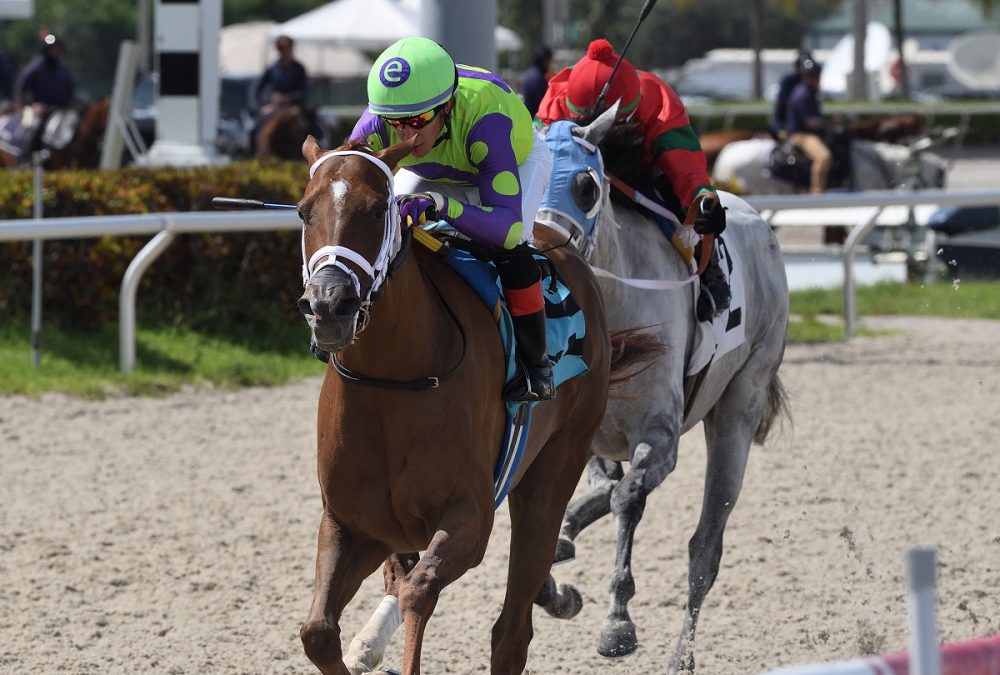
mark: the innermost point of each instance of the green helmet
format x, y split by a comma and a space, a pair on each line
412, 76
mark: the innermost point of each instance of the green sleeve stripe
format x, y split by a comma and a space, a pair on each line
681, 138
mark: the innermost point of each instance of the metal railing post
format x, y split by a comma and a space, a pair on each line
130, 286
858, 233
925, 656
37, 160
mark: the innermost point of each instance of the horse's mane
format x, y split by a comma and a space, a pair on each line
356, 145
619, 148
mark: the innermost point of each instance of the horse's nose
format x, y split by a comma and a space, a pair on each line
330, 295
338, 304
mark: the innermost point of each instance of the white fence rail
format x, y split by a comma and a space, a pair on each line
165, 227
859, 210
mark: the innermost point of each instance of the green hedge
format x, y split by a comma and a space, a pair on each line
223, 282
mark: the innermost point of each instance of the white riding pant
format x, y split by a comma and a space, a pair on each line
533, 174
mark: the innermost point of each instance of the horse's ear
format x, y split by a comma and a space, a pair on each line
310, 149
598, 129
394, 153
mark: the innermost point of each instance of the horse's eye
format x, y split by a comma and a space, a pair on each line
586, 192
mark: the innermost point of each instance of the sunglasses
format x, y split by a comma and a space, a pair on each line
415, 122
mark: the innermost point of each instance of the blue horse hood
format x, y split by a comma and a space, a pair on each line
571, 156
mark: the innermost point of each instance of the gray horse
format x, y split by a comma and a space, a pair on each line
737, 395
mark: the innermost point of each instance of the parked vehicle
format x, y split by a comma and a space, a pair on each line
968, 241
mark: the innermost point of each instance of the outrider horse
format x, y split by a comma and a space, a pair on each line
411, 417
83, 149
282, 133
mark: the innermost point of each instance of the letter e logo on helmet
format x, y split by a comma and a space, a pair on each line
394, 72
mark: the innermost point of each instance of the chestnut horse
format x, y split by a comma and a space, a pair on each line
411, 417
84, 150
281, 134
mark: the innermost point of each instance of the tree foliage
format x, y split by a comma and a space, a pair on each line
675, 30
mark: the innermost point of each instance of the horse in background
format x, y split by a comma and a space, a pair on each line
282, 133
712, 142
736, 394
76, 135
411, 418
749, 167
888, 129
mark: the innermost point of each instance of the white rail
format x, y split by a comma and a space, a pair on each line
165, 226
859, 210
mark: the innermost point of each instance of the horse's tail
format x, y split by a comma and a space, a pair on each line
632, 351
777, 406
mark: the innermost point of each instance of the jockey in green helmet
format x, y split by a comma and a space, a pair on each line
478, 164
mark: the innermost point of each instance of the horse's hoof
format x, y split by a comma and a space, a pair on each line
617, 639
565, 551
570, 602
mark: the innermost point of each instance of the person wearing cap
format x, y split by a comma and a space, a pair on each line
45, 84
285, 80
785, 87
805, 125
478, 164
671, 147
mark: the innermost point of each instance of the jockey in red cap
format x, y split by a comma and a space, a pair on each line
671, 145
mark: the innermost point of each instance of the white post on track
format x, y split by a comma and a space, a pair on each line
925, 655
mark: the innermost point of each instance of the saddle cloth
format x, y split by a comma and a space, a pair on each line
565, 332
18, 128
789, 164
727, 331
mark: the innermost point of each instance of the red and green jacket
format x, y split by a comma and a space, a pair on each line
671, 144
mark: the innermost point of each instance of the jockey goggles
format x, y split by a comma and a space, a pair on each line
415, 121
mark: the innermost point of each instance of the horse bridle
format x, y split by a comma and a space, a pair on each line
395, 243
392, 240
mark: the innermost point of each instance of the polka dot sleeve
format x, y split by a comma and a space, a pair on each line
498, 220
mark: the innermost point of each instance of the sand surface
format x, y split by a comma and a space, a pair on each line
177, 535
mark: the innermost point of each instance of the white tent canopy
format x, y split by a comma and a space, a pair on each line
247, 48
367, 24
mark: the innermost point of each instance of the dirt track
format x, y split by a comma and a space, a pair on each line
176, 535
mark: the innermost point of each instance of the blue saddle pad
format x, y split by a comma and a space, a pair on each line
565, 329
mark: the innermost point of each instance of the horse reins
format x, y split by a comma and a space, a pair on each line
708, 240
389, 257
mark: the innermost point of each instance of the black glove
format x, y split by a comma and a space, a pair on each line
710, 220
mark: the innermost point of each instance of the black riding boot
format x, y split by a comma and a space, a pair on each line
533, 380
715, 294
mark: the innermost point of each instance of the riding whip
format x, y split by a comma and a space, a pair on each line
646, 9
234, 203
